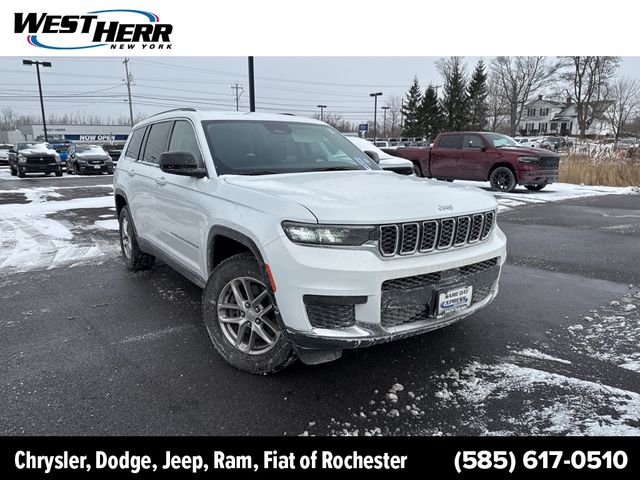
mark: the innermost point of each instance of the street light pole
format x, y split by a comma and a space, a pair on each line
37, 64
375, 113
252, 92
321, 107
384, 124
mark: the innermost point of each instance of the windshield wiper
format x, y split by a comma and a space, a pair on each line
330, 169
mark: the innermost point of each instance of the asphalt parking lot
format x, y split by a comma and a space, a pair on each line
87, 347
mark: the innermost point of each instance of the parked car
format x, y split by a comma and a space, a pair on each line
382, 144
114, 150
36, 157
84, 159
303, 246
5, 153
386, 161
485, 156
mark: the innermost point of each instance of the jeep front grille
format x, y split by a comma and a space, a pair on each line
412, 299
429, 235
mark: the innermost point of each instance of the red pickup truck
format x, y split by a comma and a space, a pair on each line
484, 156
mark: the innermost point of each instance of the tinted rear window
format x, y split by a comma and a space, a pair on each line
451, 141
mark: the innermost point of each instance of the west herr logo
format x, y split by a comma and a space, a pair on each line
117, 29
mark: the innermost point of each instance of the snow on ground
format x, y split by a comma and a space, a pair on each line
612, 333
32, 237
551, 193
529, 391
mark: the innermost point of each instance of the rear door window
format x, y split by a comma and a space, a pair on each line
451, 141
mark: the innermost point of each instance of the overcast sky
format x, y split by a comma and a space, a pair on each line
283, 84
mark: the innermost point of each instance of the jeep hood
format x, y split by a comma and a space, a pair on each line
364, 197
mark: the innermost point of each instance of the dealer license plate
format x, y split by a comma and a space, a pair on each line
454, 300
97, 167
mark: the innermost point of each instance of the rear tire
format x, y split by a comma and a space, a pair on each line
135, 258
535, 188
239, 314
503, 179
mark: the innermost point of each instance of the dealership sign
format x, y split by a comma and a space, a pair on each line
116, 28
95, 138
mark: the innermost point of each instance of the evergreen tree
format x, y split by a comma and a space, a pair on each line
411, 111
430, 114
477, 92
455, 103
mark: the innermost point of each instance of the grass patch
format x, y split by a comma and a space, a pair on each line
611, 171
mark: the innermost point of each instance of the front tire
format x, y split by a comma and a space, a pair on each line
21, 173
503, 179
240, 316
135, 258
14, 172
535, 188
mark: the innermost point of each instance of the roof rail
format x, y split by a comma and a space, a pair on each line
183, 109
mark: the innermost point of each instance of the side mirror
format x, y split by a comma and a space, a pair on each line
373, 155
181, 163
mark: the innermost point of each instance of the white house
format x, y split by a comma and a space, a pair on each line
548, 117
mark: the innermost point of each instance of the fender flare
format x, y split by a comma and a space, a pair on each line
241, 238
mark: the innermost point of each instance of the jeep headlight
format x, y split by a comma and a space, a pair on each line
315, 234
528, 159
21, 160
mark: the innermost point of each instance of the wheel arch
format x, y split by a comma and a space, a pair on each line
224, 242
502, 164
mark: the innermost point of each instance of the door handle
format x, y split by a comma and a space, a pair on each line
161, 181
131, 173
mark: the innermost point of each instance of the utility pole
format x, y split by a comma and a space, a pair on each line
252, 92
401, 114
128, 82
375, 113
321, 107
37, 64
238, 94
384, 125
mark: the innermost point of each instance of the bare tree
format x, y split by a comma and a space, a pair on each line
498, 110
8, 119
518, 79
394, 113
625, 95
586, 81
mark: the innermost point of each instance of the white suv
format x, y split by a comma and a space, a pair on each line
302, 244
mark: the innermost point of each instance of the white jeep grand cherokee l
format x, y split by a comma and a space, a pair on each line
302, 244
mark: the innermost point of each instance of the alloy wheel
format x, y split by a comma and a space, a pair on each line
247, 316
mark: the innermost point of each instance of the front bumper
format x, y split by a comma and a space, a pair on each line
53, 167
537, 177
89, 168
300, 272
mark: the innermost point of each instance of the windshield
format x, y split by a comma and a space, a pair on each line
498, 140
95, 149
248, 147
